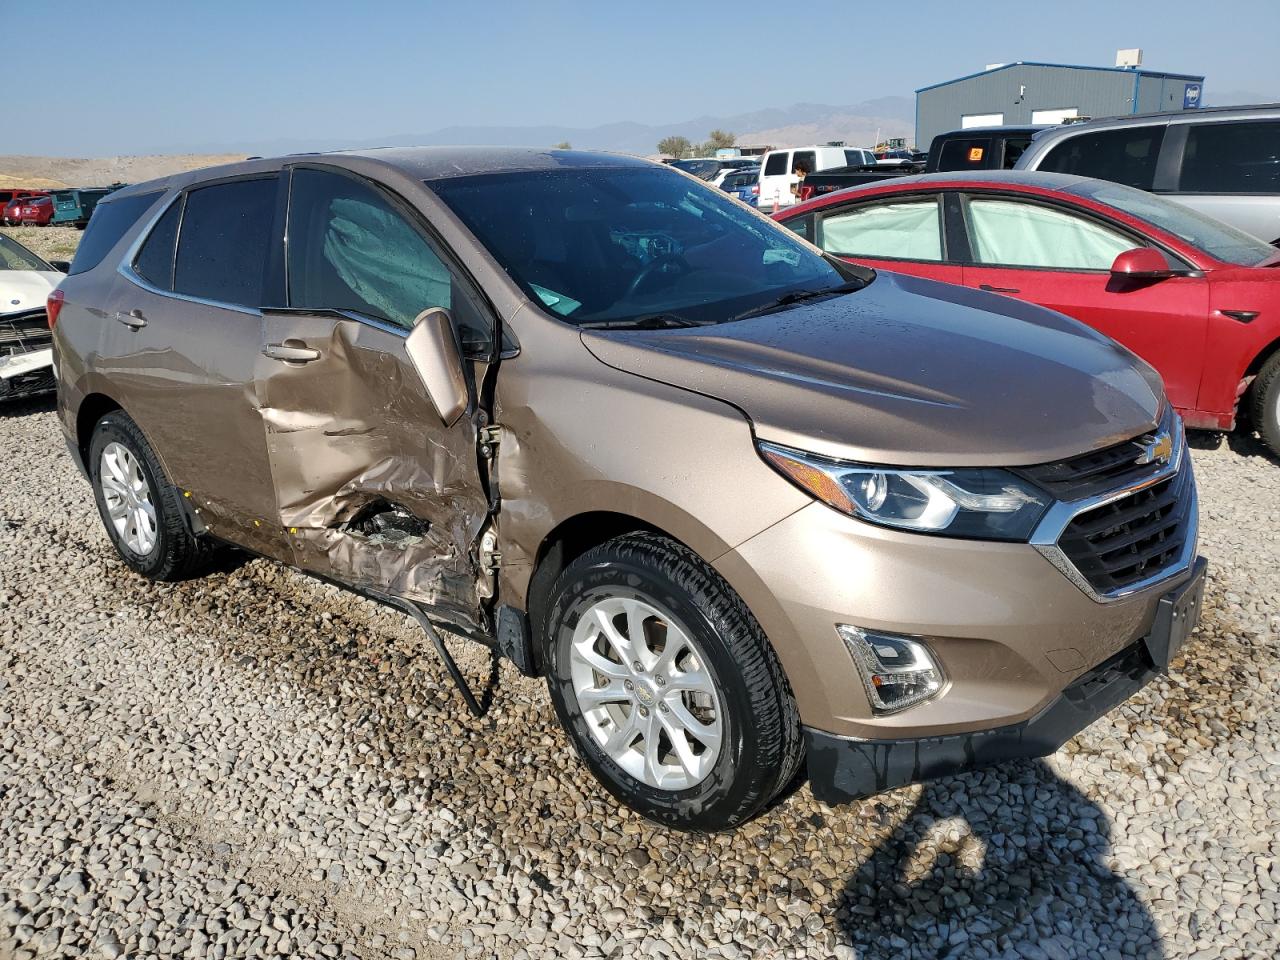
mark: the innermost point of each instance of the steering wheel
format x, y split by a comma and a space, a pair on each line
667, 263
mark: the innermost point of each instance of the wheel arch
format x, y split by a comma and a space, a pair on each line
92, 408
567, 541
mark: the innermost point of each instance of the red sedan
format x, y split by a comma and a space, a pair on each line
1195, 298
34, 210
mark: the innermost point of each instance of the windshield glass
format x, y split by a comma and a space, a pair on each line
14, 256
621, 243
1220, 241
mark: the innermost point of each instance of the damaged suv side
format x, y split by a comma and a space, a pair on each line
739, 502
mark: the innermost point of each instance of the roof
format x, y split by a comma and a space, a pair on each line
418, 163
437, 163
1016, 178
1066, 66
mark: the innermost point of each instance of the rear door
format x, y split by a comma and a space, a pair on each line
183, 342
1061, 259
902, 233
372, 488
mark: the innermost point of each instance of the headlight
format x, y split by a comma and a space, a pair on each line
980, 503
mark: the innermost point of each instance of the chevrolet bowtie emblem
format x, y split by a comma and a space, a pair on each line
1159, 447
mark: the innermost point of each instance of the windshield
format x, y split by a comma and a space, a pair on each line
14, 256
702, 169
1220, 241
622, 243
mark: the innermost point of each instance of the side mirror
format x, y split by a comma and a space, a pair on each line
62, 266
1141, 263
432, 346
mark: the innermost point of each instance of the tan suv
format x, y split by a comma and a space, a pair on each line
742, 504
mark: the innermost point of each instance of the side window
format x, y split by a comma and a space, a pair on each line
225, 245
1009, 233
350, 249
806, 159
110, 222
154, 262
902, 230
1232, 158
1014, 148
967, 153
776, 165
1125, 155
801, 225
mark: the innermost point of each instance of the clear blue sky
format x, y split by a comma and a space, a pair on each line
168, 75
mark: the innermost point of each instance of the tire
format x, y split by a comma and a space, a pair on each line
164, 549
1264, 408
724, 694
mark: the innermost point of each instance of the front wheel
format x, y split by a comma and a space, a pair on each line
668, 687
1265, 408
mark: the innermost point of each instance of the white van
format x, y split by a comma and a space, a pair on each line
776, 175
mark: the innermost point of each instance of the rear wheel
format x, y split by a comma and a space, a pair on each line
140, 509
1264, 410
668, 687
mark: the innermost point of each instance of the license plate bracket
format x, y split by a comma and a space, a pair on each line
1177, 615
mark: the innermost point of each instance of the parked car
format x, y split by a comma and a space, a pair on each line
26, 358
777, 169
712, 169
1222, 161
980, 148
894, 158
34, 211
72, 208
638, 440
1194, 297
12, 200
743, 183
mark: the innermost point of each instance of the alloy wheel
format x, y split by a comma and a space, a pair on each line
646, 693
128, 498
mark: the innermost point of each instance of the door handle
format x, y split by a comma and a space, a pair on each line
134, 319
990, 289
290, 352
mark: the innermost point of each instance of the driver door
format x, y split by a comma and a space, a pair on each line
373, 489
1062, 260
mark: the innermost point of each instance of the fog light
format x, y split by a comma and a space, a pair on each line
898, 672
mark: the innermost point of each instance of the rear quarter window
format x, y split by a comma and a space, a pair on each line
111, 220
776, 165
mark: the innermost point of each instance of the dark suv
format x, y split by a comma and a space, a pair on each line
1223, 161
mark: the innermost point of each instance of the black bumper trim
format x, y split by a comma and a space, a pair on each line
843, 769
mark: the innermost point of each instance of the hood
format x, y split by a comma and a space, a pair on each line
26, 289
909, 372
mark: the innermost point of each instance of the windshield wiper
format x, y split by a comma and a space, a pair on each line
799, 296
657, 321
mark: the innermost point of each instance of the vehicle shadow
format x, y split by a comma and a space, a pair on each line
25, 407
993, 859
1239, 442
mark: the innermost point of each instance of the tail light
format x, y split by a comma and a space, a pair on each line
755, 189
804, 193
53, 306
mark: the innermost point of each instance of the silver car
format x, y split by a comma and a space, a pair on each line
1223, 161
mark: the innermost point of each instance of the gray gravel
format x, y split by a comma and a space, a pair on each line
256, 764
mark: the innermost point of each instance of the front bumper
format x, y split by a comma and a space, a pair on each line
843, 769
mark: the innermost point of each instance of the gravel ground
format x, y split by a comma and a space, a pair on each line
257, 764
52, 243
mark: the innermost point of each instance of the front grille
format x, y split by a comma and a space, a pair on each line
1090, 474
1132, 539
24, 333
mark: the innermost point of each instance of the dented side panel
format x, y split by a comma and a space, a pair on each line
351, 435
